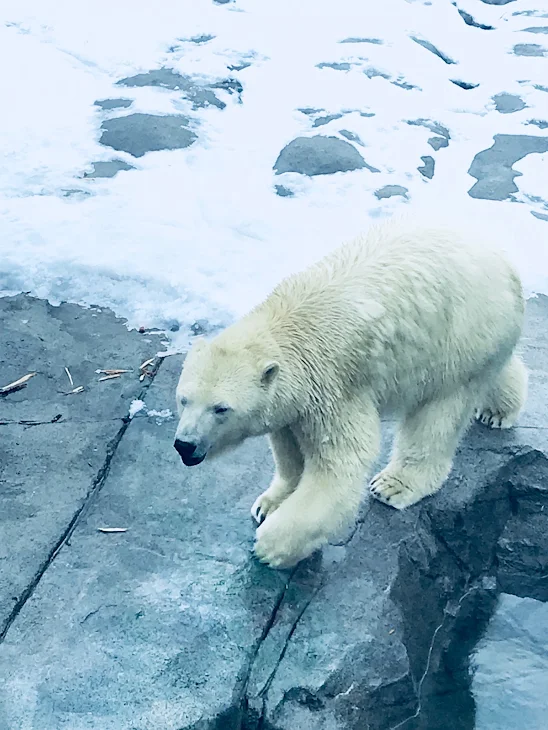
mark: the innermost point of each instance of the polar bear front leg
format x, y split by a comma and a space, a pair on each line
289, 463
329, 492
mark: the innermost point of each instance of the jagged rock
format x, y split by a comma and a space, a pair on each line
466, 85
438, 142
469, 20
433, 49
427, 169
319, 155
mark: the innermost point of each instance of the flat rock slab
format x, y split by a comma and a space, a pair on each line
173, 625
493, 167
319, 155
138, 134
54, 447
508, 103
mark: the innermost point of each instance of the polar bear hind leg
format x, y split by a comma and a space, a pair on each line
424, 448
505, 398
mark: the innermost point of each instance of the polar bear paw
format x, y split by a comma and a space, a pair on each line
391, 489
495, 419
267, 503
281, 544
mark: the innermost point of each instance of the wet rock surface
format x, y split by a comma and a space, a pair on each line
172, 623
493, 167
138, 134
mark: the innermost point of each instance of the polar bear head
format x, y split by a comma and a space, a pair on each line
224, 395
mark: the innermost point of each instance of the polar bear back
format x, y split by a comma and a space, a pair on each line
406, 310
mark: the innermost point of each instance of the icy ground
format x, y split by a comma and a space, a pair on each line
415, 94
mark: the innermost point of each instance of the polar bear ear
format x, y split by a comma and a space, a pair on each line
270, 371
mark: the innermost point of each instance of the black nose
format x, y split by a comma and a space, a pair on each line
185, 449
189, 452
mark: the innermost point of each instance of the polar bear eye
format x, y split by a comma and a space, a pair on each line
183, 401
220, 409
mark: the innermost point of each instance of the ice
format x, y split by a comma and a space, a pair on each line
200, 233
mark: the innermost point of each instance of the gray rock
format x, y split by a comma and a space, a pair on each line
531, 13
344, 66
310, 111
469, 20
375, 41
540, 216
433, 49
514, 639
108, 168
404, 85
318, 155
165, 78
427, 169
539, 87
201, 39
540, 123
466, 85
321, 121
529, 49
284, 192
107, 104
351, 136
173, 625
55, 448
493, 167
508, 103
239, 66
388, 191
138, 134
435, 127
438, 142
373, 73
537, 29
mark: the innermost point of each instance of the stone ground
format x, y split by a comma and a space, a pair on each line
171, 624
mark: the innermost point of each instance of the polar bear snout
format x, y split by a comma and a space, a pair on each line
191, 454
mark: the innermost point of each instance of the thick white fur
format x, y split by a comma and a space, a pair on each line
412, 320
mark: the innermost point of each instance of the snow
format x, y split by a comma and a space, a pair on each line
199, 233
138, 406
135, 407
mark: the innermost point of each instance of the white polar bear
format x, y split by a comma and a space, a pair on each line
413, 320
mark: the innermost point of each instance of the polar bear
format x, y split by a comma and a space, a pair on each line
415, 321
